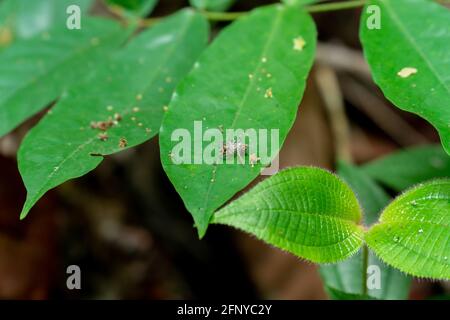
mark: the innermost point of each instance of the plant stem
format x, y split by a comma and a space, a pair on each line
323, 7
365, 256
222, 16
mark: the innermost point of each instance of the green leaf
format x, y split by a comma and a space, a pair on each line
251, 77
136, 7
414, 34
406, 168
25, 18
34, 72
350, 276
336, 294
414, 234
212, 5
307, 211
126, 96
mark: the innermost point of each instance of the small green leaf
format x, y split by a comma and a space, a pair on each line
212, 5
136, 7
25, 18
34, 72
408, 56
251, 77
414, 233
306, 211
350, 276
126, 97
406, 168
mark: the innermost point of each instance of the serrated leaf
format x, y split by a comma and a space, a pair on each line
348, 279
212, 5
34, 72
307, 211
408, 57
403, 169
414, 233
251, 77
126, 96
136, 7
25, 18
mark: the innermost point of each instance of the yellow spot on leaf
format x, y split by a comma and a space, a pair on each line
299, 43
269, 93
407, 72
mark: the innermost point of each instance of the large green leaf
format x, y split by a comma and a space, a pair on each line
307, 211
35, 72
135, 7
126, 96
408, 57
25, 18
251, 77
406, 168
414, 231
350, 276
212, 5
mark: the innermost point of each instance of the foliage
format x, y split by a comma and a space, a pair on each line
115, 86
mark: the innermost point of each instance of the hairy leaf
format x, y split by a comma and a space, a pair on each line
35, 72
306, 211
251, 77
414, 233
350, 276
408, 56
406, 168
126, 98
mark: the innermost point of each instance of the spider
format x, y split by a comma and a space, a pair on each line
235, 147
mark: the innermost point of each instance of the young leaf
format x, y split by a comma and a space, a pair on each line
306, 211
120, 106
350, 276
251, 77
136, 7
408, 57
414, 234
25, 18
406, 168
212, 5
35, 72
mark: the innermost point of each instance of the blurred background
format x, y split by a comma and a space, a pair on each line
127, 228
